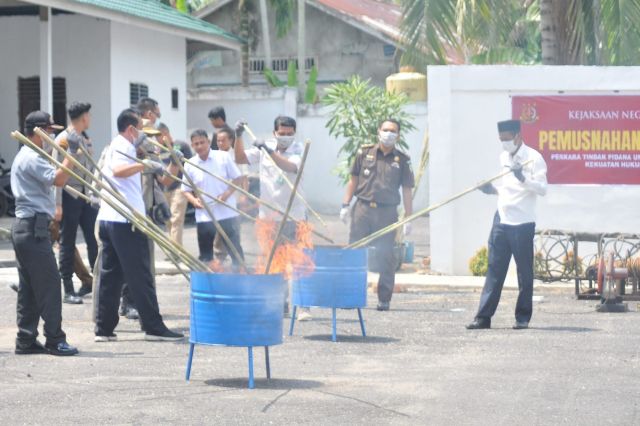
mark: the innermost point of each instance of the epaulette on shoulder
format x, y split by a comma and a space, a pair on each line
363, 147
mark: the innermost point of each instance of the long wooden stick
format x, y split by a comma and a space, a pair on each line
241, 190
167, 252
366, 240
135, 217
206, 194
307, 144
286, 179
196, 191
76, 194
109, 201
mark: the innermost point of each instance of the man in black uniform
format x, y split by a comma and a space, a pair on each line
32, 179
377, 174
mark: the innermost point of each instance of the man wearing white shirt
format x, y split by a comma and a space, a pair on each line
125, 249
513, 225
220, 164
276, 158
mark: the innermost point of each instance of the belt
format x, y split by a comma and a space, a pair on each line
374, 205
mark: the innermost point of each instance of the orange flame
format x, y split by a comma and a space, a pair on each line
289, 256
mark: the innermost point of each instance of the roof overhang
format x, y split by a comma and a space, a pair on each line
115, 16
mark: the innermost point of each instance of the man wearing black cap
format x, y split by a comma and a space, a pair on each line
513, 225
32, 178
74, 211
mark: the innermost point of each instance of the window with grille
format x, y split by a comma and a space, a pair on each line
280, 65
29, 98
137, 91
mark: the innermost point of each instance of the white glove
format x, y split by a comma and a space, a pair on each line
344, 214
94, 201
153, 166
406, 229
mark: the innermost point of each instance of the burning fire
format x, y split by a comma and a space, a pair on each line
289, 255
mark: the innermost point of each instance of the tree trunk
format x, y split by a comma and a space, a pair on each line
266, 37
549, 31
301, 48
244, 52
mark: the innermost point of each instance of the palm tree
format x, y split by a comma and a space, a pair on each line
594, 32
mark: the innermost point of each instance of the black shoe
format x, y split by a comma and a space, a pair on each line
383, 306
132, 313
71, 299
166, 336
83, 290
520, 325
61, 349
14, 287
35, 348
479, 324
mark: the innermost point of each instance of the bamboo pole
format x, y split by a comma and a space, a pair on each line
164, 249
241, 190
196, 191
307, 144
366, 240
288, 181
135, 217
77, 194
206, 194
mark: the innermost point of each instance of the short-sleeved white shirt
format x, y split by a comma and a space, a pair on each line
273, 188
130, 187
220, 163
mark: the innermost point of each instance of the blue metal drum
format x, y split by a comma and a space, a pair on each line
236, 310
339, 279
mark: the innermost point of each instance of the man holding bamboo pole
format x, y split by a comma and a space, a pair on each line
513, 226
276, 159
73, 212
32, 179
125, 250
221, 164
377, 174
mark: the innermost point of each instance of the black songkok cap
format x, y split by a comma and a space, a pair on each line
512, 126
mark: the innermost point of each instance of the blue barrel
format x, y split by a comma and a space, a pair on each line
409, 248
236, 310
339, 279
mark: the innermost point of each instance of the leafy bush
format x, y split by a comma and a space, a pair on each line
357, 108
479, 263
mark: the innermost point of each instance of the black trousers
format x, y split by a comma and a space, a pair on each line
505, 241
366, 220
207, 233
76, 212
39, 285
125, 257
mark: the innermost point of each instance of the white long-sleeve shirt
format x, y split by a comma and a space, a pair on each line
517, 200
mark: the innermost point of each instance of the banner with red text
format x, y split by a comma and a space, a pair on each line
583, 139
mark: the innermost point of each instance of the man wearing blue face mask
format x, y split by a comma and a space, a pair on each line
513, 225
377, 174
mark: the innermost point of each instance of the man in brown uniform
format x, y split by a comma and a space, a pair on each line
377, 174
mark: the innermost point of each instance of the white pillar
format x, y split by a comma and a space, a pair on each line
46, 82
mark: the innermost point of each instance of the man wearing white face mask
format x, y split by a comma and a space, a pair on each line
285, 155
377, 174
513, 225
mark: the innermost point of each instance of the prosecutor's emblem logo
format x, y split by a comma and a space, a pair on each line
529, 113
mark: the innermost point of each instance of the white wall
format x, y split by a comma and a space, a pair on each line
152, 58
259, 107
80, 55
465, 102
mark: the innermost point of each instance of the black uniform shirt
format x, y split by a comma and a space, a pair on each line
380, 176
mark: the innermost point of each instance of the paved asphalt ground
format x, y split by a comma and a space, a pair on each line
417, 366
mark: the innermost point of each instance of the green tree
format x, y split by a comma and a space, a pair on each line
590, 32
357, 108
